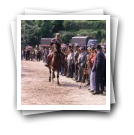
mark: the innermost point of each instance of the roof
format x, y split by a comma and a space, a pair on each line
93, 40
80, 37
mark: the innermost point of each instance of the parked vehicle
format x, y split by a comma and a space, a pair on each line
92, 42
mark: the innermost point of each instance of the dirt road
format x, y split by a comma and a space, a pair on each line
37, 90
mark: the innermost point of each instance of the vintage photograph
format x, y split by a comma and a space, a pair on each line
63, 62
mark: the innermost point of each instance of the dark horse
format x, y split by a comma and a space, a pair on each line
55, 64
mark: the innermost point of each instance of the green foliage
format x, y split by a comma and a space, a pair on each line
67, 36
33, 30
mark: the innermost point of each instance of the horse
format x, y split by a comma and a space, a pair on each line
55, 64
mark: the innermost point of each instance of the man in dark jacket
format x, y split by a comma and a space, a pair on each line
99, 67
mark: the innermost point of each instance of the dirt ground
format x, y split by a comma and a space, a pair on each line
37, 90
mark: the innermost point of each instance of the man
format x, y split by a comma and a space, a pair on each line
27, 53
81, 63
32, 53
64, 66
70, 61
98, 68
104, 75
57, 42
70, 46
22, 53
45, 55
88, 65
36, 51
92, 74
39, 54
76, 54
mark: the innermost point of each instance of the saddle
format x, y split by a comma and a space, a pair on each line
60, 57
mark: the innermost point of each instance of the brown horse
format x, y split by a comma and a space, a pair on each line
55, 64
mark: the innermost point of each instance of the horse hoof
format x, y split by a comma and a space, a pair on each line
59, 84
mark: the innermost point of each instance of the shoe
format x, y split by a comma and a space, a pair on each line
95, 93
92, 91
101, 92
83, 81
87, 84
77, 80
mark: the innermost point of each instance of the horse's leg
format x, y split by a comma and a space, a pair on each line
58, 83
53, 76
49, 74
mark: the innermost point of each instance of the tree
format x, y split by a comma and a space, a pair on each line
57, 25
33, 30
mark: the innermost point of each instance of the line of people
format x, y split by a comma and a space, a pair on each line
30, 53
86, 65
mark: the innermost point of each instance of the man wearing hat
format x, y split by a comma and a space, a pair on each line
98, 68
81, 63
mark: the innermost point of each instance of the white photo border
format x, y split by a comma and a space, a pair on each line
63, 107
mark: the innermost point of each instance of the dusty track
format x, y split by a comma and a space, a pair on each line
37, 90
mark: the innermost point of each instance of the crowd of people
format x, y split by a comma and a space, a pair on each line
85, 65
32, 54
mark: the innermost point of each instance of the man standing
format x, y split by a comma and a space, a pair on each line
32, 53
98, 67
88, 66
92, 74
70, 61
81, 63
27, 53
22, 53
36, 51
39, 54
76, 54
104, 75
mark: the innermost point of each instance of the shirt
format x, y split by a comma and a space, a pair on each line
70, 58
